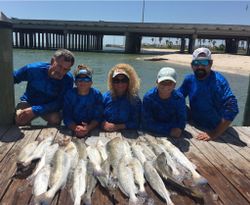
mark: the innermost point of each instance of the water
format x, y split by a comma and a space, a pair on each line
147, 71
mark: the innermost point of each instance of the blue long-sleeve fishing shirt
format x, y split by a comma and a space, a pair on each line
82, 108
121, 110
161, 115
43, 93
210, 100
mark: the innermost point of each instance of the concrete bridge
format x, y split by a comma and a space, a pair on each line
88, 35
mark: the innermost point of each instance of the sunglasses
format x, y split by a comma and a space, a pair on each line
200, 62
123, 80
83, 79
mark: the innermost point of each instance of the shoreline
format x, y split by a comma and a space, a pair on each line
229, 63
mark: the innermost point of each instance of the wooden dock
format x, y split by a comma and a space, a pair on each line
225, 163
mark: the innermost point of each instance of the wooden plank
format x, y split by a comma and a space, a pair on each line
238, 180
239, 146
244, 134
8, 140
233, 156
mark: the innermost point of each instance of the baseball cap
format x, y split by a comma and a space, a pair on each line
198, 51
119, 72
84, 72
166, 73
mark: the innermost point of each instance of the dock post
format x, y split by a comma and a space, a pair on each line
7, 105
246, 120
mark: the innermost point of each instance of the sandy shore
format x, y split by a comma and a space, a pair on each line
236, 64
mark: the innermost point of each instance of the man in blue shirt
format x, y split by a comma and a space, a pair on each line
46, 85
163, 108
212, 103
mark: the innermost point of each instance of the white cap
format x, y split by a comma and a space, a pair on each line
166, 73
119, 72
198, 51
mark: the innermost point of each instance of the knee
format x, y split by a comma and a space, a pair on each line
53, 119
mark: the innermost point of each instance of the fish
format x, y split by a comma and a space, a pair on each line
169, 163
46, 159
81, 148
91, 184
160, 165
26, 152
59, 172
126, 181
138, 173
41, 182
96, 160
156, 182
149, 154
138, 153
117, 148
79, 181
184, 161
39, 150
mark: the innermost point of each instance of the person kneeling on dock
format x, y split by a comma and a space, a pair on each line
163, 108
122, 105
46, 85
83, 109
212, 103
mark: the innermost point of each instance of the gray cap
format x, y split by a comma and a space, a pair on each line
166, 73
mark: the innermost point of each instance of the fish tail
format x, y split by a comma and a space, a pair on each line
149, 201
133, 202
43, 199
142, 194
87, 200
77, 201
200, 180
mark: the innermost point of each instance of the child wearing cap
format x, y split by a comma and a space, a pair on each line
122, 105
212, 103
163, 108
83, 107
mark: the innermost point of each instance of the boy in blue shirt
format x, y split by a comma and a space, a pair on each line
163, 108
46, 85
212, 103
82, 110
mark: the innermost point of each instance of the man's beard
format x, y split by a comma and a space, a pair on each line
200, 74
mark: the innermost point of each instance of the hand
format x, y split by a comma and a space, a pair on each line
24, 116
175, 132
81, 130
108, 126
205, 136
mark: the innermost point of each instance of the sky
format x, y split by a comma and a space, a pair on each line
207, 12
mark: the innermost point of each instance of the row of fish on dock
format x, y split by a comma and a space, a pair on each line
116, 162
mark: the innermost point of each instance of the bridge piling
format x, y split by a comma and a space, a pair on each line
6, 79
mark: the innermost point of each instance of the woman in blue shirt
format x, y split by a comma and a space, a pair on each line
83, 107
122, 105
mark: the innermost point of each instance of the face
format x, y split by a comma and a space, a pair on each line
201, 68
120, 84
83, 83
59, 67
165, 88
